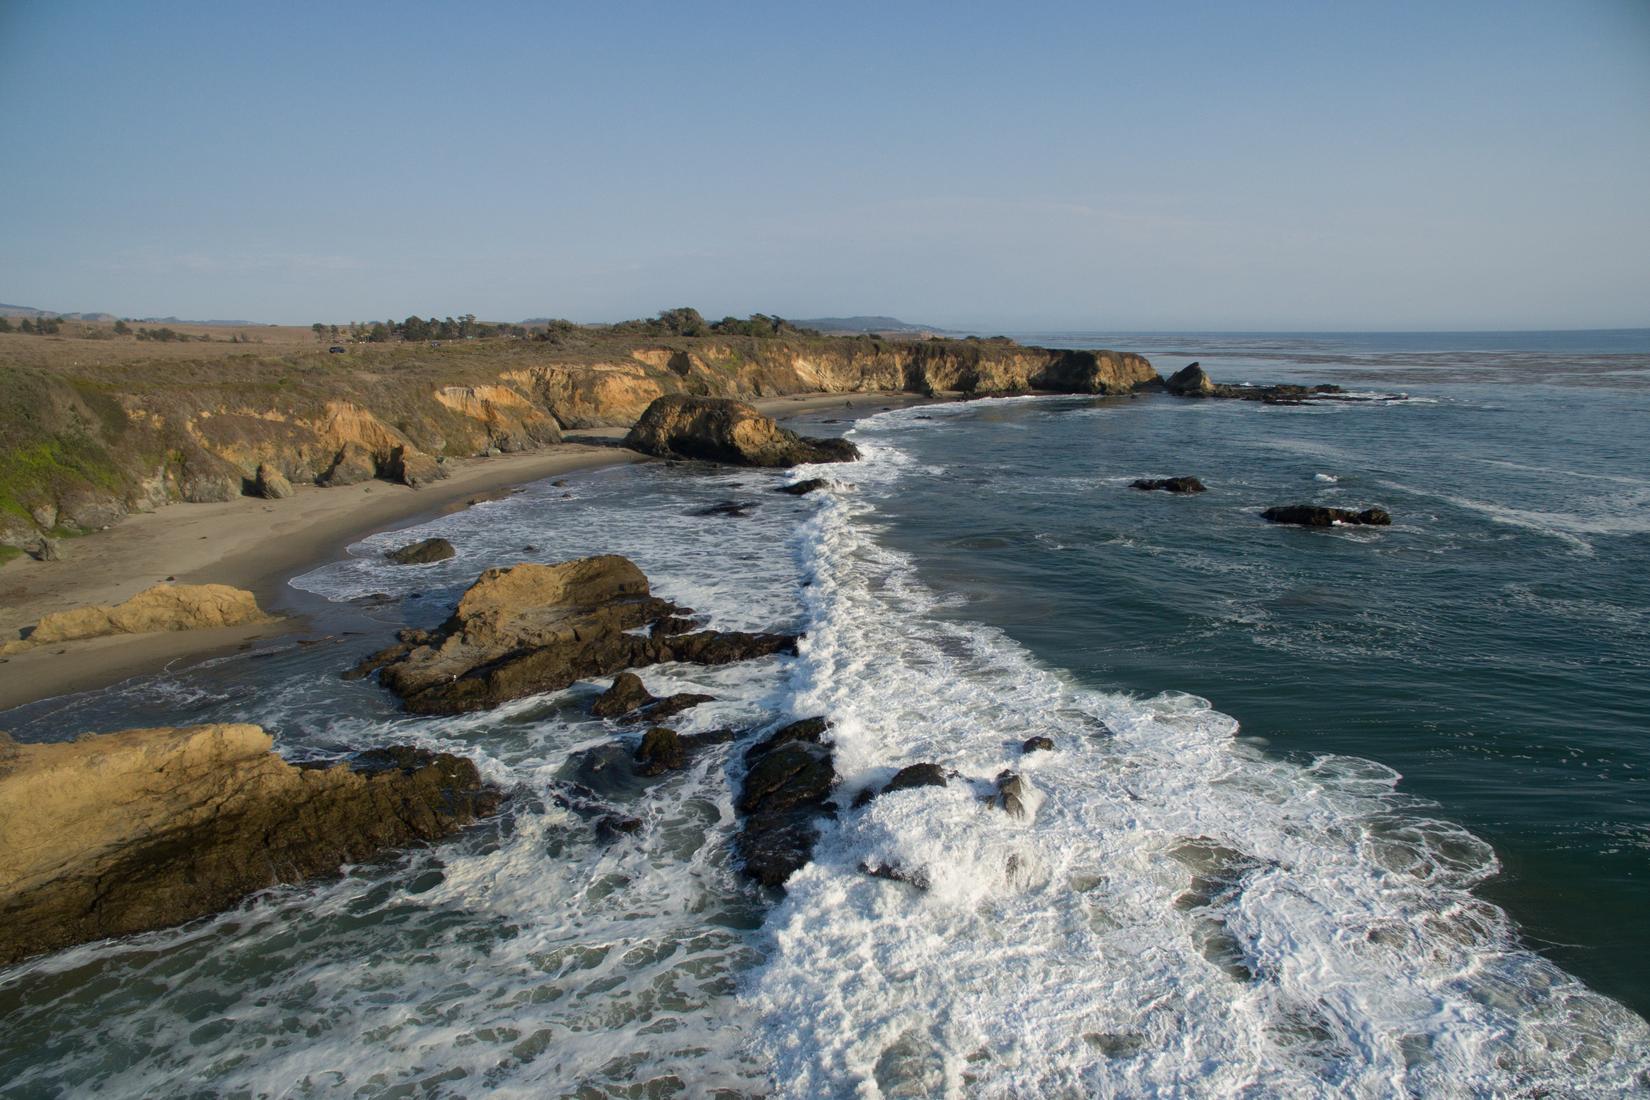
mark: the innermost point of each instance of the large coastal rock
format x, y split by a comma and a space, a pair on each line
422, 552
1310, 515
132, 831
535, 628
163, 607
718, 429
789, 777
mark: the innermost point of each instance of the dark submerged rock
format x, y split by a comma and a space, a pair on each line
803, 488
1037, 744
1308, 515
1171, 484
422, 552
727, 508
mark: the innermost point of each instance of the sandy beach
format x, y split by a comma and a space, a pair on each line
258, 545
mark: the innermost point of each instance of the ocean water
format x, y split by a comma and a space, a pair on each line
1330, 813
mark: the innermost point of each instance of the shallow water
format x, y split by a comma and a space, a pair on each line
1301, 779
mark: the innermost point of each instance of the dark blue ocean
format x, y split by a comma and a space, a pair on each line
1344, 812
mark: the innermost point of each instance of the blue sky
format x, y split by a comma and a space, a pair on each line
1104, 166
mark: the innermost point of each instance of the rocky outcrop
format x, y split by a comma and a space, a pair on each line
413, 468
1013, 794
722, 430
1038, 743
1170, 484
204, 478
352, 465
422, 552
628, 698
1194, 381
126, 832
536, 628
664, 750
163, 607
789, 776
1310, 515
270, 483
1190, 381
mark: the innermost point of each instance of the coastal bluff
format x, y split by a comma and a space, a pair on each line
90, 434
126, 832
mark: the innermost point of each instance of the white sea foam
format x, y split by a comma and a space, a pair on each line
1180, 914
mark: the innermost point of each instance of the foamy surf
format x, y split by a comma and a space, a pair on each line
1179, 914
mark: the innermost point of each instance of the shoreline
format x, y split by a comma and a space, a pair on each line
260, 545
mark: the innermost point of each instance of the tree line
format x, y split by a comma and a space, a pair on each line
41, 326
416, 328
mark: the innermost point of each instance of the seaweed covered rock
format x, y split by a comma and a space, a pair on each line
534, 628
719, 429
1310, 515
788, 782
126, 832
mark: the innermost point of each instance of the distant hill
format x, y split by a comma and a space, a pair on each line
31, 311
864, 324
164, 320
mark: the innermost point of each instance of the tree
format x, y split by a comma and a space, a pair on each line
122, 328
26, 326
319, 330
5, 325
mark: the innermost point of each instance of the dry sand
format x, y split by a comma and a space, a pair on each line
260, 544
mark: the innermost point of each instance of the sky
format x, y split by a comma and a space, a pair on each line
1117, 166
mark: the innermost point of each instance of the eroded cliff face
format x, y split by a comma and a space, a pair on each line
78, 454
